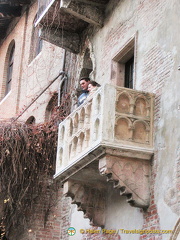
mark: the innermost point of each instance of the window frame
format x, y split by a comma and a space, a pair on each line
10, 65
129, 73
36, 42
8, 73
120, 61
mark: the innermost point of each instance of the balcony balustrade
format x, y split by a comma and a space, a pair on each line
108, 136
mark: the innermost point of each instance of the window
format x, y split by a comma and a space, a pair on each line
51, 107
10, 69
129, 73
122, 73
87, 65
36, 43
31, 120
59, 105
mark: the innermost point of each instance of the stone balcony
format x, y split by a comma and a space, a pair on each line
70, 17
109, 138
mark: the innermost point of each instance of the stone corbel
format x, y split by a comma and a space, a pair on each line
86, 12
89, 199
130, 176
61, 38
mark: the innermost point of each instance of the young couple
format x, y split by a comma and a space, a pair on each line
88, 87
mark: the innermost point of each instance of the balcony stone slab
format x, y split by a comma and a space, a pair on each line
84, 11
67, 40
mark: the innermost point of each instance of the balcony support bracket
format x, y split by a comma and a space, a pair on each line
89, 198
86, 12
61, 38
130, 176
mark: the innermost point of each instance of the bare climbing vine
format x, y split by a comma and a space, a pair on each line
27, 163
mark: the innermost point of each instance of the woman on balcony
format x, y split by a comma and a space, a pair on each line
92, 87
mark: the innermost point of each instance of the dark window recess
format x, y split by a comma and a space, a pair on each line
10, 70
38, 44
129, 69
31, 120
64, 99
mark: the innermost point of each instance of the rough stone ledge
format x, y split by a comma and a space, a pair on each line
99, 151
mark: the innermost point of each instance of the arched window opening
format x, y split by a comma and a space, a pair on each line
87, 64
31, 120
51, 108
64, 99
10, 64
87, 68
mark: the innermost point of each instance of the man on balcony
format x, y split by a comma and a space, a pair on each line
84, 82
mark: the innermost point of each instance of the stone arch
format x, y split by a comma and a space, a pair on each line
81, 142
31, 120
96, 129
123, 103
51, 106
97, 103
60, 156
8, 69
62, 131
82, 117
140, 132
87, 137
141, 106
74, 146
70, 150
123, 128
88, 113
70, 127
87, 64
76, 122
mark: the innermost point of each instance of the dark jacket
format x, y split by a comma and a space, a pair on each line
82, 97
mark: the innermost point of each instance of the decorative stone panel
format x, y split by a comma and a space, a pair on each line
133, 116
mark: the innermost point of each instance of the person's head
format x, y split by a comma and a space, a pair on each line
84, 82
92, 85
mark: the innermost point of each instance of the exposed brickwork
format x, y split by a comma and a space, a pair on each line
151, 217
50, 222
65, 218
